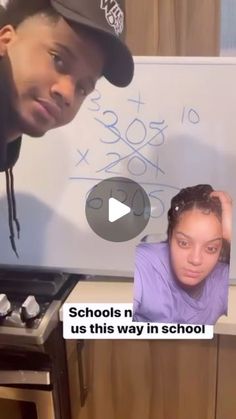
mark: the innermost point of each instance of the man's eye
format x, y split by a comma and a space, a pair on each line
58, 62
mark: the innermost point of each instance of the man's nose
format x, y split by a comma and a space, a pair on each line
64, 91
195, 256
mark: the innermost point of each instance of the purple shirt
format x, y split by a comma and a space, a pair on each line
159, 298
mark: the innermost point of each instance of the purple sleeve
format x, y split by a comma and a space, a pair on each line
143, 270
224, 291
137, 298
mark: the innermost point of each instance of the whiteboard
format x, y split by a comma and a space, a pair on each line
173, 127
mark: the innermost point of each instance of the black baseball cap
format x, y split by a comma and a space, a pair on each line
105, 17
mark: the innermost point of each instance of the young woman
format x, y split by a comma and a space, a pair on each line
185, 279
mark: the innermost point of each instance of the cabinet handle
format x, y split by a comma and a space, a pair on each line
83, 387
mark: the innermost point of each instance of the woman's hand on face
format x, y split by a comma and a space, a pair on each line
226, 204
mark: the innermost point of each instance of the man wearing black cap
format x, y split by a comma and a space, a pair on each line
52, 52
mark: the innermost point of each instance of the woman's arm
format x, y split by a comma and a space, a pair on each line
226, 204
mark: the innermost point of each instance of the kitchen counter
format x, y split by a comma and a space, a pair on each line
121, 291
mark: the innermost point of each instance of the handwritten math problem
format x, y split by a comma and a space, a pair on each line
132, 150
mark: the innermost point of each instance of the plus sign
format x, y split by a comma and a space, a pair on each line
137, 101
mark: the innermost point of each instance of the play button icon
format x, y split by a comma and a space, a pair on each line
117, 209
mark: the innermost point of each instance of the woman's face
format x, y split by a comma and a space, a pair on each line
195, 246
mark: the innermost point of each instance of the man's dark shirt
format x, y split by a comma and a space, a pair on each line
9, 153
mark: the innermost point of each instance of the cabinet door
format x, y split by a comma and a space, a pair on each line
77, 377
226, 389
143, 379
183, 379
165, 379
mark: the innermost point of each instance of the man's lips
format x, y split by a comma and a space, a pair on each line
50, 108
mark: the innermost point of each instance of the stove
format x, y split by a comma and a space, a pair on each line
30, 303
33, 355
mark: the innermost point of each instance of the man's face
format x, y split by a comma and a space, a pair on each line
195, 246
53, 69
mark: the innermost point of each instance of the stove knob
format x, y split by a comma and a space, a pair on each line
5, 305
30, 309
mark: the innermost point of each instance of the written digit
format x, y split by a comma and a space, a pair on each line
161, 205
112, 164
136, 132
112, 120
94, 99
159, 138
190, 115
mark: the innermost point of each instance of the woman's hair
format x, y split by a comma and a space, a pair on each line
16, 11
196, 197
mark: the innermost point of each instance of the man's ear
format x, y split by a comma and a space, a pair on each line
7, 34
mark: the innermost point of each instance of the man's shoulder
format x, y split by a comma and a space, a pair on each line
12, 154
14, 150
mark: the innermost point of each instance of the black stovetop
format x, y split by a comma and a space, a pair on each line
45, 285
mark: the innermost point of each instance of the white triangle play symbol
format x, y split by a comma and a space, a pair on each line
117, 210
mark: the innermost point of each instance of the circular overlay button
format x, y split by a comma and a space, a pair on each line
118, 209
